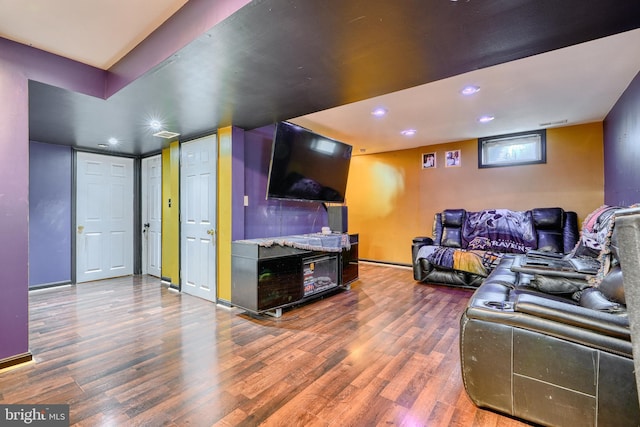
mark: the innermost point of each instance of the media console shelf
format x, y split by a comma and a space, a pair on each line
268, 275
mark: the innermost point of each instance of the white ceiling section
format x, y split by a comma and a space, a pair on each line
97, 33
579, 84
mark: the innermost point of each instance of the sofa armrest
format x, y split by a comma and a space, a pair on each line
572, 315
421, 240
419, 265
417, 243
570, 232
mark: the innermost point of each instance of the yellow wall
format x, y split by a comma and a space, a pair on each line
171, 218
170, 215
391, 199
225, 160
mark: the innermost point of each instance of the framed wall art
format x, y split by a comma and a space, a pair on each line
428, 160
452, 158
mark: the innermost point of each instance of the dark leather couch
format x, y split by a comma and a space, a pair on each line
562, 359
555, 230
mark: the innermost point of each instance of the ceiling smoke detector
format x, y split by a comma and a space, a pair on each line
166, 134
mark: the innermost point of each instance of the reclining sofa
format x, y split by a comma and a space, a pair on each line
555, 351
466, 245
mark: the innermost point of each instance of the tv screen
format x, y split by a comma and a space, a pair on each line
307, 166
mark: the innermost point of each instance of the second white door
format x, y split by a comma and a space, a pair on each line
198, 205
152, 215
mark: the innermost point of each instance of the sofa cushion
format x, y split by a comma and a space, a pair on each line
557, 284
594, 299
452, 220
453, 217
548, 223
451, 237
548, 218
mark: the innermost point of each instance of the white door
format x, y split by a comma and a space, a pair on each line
104, 217
152, 216
198, 217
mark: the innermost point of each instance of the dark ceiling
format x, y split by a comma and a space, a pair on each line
279, 59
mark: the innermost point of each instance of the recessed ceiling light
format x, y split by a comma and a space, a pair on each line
486, 119
379, 112
155, 125
470, 90
113, 141
409, 132
102, 146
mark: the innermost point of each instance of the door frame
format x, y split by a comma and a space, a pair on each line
144, 210
137, 239
182, 259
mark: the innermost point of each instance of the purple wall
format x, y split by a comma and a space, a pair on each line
622, 149
20, 63
272, 218
14, 211
53, 70
50, 168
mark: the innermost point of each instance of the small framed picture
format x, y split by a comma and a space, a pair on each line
452, 159
428, 160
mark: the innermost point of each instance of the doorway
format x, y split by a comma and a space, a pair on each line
198, 203
104, 217
151, 211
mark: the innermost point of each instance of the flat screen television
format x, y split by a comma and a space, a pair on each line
307, 166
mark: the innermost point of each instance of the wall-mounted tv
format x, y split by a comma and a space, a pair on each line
307, 166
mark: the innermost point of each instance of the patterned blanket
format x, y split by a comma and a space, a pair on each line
476, 262
487, 234
595, 239
499, 230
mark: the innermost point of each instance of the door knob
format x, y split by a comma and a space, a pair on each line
211, 232
80, 229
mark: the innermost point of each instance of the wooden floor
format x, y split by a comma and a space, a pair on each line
131, 352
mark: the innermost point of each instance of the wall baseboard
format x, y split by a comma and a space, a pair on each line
15, 360
224, 303
49, 285
385, 263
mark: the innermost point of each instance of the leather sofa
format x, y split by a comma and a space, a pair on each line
557, 359
553, 230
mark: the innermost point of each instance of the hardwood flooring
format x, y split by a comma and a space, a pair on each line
131, 352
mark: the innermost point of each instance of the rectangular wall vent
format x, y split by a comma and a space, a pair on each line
556, 123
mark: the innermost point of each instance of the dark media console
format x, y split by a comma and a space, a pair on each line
266, 279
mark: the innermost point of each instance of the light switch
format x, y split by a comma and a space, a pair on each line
246, 200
